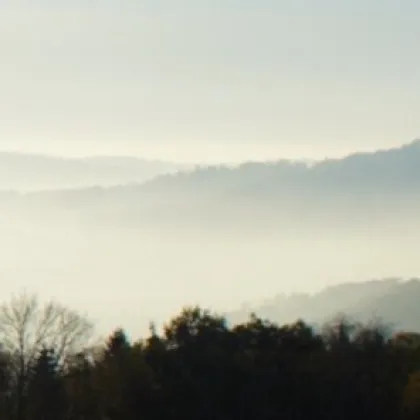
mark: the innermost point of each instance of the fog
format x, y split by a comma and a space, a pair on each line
35, 172
131, 244
94, 255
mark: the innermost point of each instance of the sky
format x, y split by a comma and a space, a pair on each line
213, 81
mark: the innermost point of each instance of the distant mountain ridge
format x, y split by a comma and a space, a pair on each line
392, 301
360, 171
366, 189
26, 172
367, 171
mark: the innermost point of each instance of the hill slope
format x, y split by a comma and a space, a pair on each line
393, 301
36, 172
380, 171
366, 189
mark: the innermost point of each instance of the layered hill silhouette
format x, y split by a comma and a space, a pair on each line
26, 172
393, 302
359, 186
369, 172
364, 188
221, 235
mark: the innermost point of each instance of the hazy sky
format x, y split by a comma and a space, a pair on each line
208, 80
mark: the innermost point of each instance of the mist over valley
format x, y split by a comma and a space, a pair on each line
216, 236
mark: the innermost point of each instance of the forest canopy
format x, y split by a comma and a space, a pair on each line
200, 367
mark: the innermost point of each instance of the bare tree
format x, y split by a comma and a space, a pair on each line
27, 326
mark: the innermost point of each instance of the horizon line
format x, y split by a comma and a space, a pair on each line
201, 162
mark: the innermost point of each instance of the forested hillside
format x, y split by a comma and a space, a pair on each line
365, 190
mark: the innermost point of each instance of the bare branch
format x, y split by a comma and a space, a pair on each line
26, 326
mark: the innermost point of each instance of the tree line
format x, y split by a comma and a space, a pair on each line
199, 367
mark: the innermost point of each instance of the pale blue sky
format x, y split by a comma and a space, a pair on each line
209, 80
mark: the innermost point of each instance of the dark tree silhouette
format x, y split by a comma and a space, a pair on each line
199, 367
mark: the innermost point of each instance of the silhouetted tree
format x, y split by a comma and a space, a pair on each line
45, 395
201, 368
27, 327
